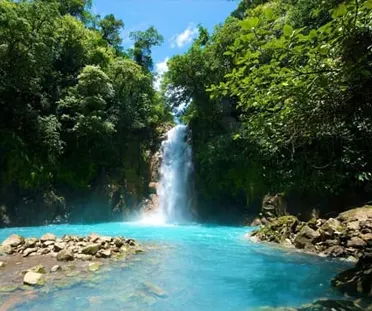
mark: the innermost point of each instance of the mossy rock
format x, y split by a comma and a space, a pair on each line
8, 288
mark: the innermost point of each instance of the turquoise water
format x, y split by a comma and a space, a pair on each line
192, 268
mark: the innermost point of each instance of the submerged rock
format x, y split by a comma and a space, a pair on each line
94, 266
38, 269
155, 290
33, 278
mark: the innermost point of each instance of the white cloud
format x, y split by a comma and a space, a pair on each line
160, 69
184, 37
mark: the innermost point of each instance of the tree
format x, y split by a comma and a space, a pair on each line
143, 42
110, 28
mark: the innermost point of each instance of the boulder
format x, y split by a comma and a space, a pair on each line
59, 246
353, 225
359, 214
13, 240
93, 237
105, 239
65, 255
48, 237
29, 251
330, 227
131, 242
2, 264
106, 253
118, 242
356, 281
306, 236
7, 249
33, 279
30, 242
91, 249
48, 243
367, 237
356, 242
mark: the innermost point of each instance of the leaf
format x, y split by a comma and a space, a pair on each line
368, 4
250, 23
341, 10
287, 30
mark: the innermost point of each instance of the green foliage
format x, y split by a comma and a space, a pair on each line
71, 102
295, 77
143, 42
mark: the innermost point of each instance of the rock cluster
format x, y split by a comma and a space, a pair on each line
348, 236
69, 247
358, 280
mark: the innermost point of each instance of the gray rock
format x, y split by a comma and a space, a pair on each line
93, 237
105, 253
353, 225
33, 279
29, 251
48, 237
65, 255
7, 249
91, 249
13, 240
59, 246
30, 242
331, 227
367, 237
118, 242
306, 236
105, 239
356, 242
48, 243
43, 251
334, 251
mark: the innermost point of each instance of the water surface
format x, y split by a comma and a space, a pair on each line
191, 268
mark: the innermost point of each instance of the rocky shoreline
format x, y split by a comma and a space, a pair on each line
36, 261
346, 237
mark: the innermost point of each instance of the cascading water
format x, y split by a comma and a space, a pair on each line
174, 185
175, 171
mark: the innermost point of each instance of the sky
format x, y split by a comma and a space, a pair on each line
176, 20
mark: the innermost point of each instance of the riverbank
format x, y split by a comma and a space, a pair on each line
347, 237
49, 259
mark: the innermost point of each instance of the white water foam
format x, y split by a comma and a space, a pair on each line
173, 189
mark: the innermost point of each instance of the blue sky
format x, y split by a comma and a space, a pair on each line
176, 20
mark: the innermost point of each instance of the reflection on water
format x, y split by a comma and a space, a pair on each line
190, 268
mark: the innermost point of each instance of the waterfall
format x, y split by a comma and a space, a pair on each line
175, 171
173, 188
